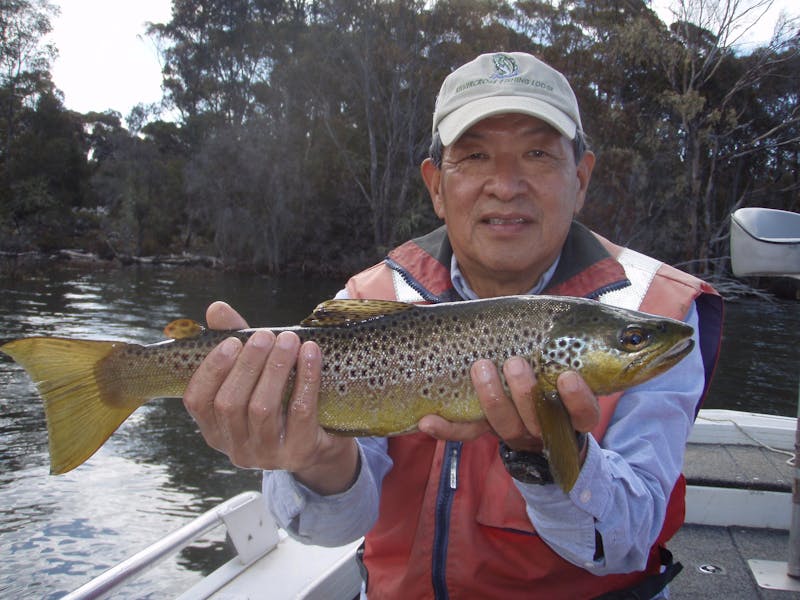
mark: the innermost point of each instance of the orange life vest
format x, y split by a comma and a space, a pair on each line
452, 523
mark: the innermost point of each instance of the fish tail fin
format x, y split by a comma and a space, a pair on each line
81, 412
559, 439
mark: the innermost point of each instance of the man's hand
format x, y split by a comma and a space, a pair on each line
514, 419
236, 398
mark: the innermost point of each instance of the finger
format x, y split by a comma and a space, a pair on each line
204, 384
272, 386
497, 406
442, 429
233, 398
302, 424
580, 401
521, 382
220, 315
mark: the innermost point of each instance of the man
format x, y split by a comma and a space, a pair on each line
508, 173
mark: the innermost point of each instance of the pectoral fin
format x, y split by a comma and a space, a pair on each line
559, 438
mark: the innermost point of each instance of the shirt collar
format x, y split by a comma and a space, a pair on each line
465, 291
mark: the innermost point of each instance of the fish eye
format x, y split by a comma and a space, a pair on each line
633, 338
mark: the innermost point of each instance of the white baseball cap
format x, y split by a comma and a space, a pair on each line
504, 82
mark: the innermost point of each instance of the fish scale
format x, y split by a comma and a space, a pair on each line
385, 366
427, 353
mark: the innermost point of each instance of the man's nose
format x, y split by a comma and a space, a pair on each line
507, 179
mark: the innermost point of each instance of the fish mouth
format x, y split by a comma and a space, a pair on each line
673, 355
662, 361
678, 351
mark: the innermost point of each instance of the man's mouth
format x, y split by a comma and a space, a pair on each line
501, 221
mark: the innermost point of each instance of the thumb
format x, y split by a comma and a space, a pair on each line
220, 315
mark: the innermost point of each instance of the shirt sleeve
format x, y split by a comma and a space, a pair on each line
332, 520
624, 485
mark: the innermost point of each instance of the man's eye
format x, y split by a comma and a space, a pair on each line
537, 153
476, 156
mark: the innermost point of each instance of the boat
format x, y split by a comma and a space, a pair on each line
741, 536
738, 517
765, 242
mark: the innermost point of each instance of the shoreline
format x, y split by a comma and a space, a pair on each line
730, 288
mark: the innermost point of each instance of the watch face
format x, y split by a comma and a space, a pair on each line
527, 467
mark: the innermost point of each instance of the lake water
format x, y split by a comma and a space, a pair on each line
156, 473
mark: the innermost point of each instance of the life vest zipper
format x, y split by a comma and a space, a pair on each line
448, 484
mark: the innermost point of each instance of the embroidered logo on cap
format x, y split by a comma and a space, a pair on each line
504, 66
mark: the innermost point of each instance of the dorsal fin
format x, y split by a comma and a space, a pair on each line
181, 329
347, 312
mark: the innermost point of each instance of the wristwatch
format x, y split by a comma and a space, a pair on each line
532, 467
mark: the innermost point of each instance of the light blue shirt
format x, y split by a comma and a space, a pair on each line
621, 492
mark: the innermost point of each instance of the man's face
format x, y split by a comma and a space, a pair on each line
508, 190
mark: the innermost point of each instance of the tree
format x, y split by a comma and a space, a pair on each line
302, 124
374, 94
47, 176
684, 124
711, 93
24, 82
219, 55
244, 196
24, 59
138, 185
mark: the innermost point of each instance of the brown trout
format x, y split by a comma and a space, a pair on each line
385, 365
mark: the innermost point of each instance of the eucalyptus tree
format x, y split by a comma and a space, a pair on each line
24, 58
711, 93
42, 149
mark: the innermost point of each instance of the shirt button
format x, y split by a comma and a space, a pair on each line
585, 496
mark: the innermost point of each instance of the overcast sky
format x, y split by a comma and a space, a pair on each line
104, 58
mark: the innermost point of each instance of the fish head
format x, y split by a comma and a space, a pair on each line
613, 348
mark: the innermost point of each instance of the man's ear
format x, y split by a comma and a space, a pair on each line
432, 176
584, 174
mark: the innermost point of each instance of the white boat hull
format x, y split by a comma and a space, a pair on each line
765, 242
270, 561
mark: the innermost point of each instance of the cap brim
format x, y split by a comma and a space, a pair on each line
453, 125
